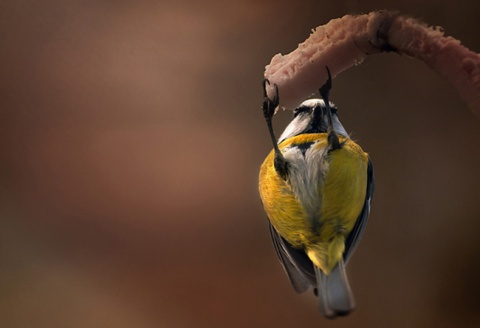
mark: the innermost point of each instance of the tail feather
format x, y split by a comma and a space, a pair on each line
334, 294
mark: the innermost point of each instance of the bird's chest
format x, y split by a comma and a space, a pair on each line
328, 186
308, 166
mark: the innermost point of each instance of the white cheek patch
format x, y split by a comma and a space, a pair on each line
297, 126
338, 127
302, 121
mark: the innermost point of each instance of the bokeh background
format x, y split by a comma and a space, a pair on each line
131, 137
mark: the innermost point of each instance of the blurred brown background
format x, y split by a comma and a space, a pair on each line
131, 137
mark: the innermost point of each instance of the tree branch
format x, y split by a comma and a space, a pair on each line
347, 41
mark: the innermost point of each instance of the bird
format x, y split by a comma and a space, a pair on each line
316, 187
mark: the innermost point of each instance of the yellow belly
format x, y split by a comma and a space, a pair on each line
319, 219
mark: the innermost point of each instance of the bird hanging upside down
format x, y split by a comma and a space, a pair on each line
316, 187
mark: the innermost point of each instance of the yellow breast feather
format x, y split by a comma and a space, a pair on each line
317, 209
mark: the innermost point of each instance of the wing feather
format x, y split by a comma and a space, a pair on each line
296, 263
357, 232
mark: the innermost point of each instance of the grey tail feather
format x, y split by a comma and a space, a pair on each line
334, 294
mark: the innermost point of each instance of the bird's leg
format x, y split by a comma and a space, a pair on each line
333, 141
268, 107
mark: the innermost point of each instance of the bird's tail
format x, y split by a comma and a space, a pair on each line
334, 294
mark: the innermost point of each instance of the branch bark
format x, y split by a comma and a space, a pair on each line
347, 41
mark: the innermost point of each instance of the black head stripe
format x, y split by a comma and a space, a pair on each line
300, 110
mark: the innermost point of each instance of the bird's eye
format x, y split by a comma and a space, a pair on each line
301, 109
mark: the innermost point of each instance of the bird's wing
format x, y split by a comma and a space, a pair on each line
357, 232
296, 263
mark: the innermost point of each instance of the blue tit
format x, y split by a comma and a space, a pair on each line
316, 187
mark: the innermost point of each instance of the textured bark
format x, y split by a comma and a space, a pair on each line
347, 41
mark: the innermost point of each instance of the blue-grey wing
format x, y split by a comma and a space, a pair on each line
296, 263
357, 232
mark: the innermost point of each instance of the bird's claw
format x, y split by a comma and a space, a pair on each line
325, 89
269, 105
